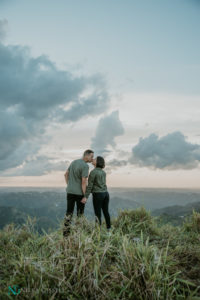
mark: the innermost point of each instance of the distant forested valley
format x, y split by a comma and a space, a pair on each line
49, 207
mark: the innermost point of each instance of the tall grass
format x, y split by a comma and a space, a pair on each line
138, 261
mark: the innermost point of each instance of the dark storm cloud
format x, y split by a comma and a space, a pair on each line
108, 128
17, 156
171, 152
34, 93
36, 88
13, 131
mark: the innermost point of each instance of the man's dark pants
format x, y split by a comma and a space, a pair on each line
71, 200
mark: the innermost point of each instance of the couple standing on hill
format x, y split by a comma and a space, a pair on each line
78, 190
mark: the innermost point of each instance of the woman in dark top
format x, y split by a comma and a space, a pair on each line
97, 186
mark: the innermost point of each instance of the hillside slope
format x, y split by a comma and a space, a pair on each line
140, 260
176, 214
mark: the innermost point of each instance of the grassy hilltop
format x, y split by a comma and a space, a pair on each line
142, 259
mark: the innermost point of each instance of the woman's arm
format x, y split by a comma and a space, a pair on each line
90, 185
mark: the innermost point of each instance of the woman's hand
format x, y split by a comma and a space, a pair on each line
84, 200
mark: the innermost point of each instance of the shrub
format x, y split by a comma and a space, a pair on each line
134, 221
192, 223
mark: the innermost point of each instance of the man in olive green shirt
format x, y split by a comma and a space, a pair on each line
76, 180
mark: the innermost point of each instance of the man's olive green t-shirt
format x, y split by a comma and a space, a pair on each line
77, 169
96, 182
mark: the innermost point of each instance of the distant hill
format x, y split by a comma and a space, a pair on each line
49, 207
176, 214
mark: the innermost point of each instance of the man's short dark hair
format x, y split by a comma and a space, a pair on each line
87, 152
100, 163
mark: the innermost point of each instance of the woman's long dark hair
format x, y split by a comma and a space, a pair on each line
100, 162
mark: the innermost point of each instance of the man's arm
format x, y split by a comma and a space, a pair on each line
84, 184
85, 173
66, 175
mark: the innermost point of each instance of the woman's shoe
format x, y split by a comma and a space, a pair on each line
109, 231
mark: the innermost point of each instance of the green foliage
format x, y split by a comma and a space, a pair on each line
162, 263
132, 222
192, 223
177, 214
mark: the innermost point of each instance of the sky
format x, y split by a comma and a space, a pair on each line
121, 77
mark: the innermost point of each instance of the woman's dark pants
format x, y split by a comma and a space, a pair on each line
101, 202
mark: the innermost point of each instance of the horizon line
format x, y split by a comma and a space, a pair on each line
113, 187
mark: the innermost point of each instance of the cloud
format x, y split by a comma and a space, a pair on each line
37, 166
38, 90
94, 104
13, 131
115, 163
17, 156
171, 152
34, 94
3, 28
108, 128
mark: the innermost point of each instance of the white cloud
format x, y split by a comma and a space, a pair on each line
37, 166
3, 29
34, 94
108, 128
171, 152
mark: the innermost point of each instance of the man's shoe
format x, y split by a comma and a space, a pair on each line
66, 234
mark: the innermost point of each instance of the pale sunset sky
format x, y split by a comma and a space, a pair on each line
121, 77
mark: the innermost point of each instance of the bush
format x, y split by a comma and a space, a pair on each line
192, 223
132, 222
